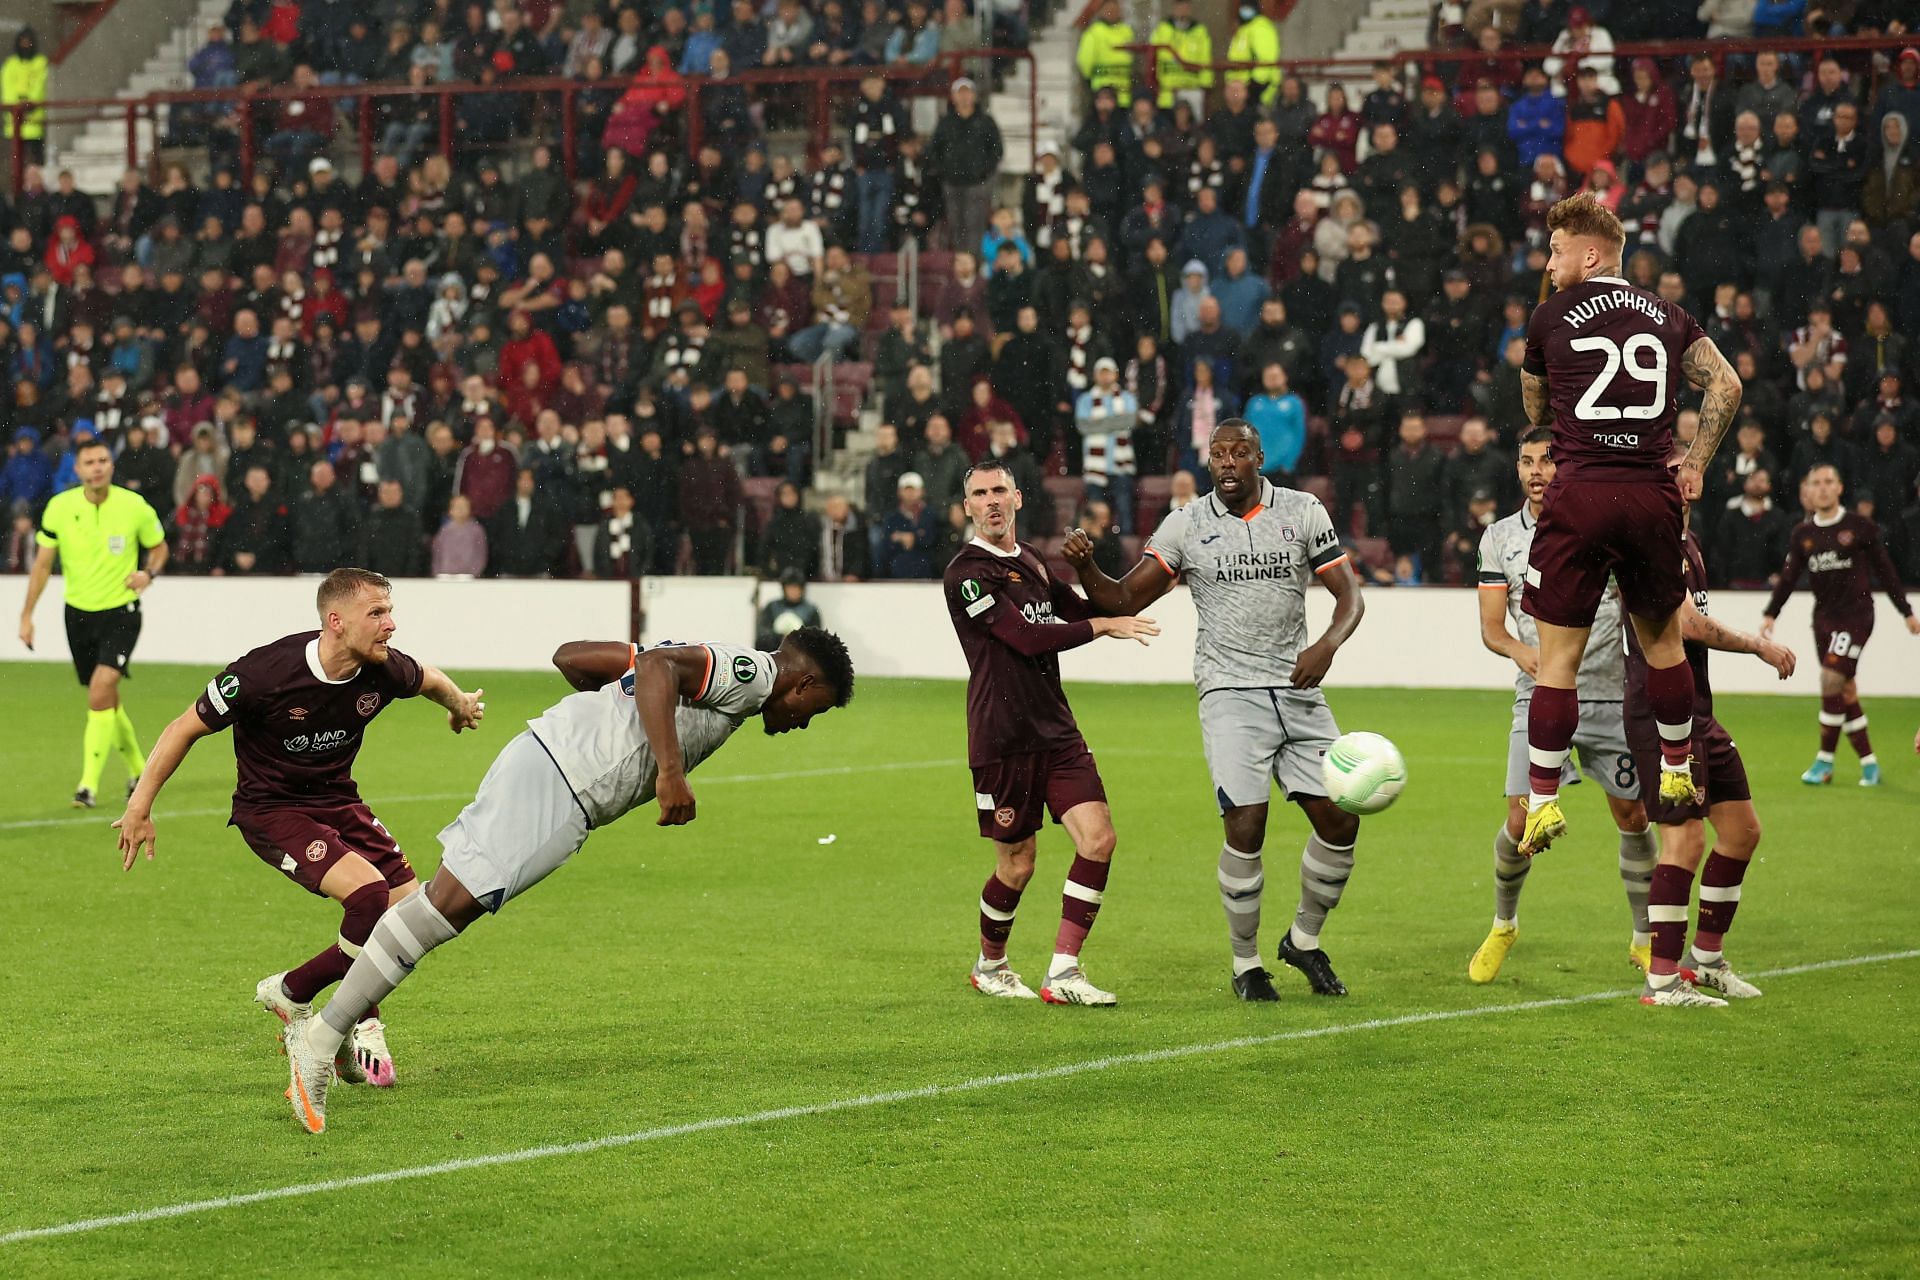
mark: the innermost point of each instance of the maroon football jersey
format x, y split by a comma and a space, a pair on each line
1840, 560
1643, 734
1612, 357
295, 732
1013, 618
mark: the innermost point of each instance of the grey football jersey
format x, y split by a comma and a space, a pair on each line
596, 739
1503, 567
1249, 581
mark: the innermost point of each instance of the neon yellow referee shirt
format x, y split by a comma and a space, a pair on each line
100, 544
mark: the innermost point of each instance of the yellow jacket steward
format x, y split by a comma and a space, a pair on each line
1258, 41
1103, 59
1195, 44
24, 80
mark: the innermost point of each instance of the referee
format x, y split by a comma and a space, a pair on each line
99, 530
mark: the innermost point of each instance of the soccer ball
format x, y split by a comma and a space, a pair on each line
1363, 772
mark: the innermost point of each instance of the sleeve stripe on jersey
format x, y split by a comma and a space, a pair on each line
1491, 579
1327, 557
633, 655
706, 682
1339, 559
1163, 562
214, 700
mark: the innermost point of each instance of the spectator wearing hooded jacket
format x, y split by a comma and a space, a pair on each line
1537, 121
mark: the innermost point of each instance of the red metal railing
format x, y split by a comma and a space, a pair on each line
827, 86
76, 24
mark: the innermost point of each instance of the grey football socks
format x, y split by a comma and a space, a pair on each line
1241, 880
402, 938
1510, 868
1324, 869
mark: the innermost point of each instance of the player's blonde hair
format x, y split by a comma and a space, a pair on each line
345, 584
1582, 215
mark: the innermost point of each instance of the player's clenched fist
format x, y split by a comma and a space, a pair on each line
676, 801
1078, 548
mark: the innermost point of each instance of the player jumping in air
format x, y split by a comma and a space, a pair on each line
299, 708
1601, 738
99, 531
1841, 552
1013, 618
1721, 796
641, 721
1247, 551
1604, 364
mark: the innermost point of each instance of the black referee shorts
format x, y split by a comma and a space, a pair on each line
103, 639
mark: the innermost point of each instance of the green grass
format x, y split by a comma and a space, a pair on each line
740, 965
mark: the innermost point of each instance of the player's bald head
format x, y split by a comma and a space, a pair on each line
1234, 429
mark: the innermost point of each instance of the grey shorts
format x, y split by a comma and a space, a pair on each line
521, 827
1599, 744
1257, 737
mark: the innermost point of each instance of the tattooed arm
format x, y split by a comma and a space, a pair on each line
1707, 369
1533, 398
1713, 633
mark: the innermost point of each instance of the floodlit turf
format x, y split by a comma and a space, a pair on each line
741, 965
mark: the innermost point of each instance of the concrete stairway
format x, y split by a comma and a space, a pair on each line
98, 155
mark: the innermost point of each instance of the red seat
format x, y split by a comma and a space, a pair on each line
1374, 553
1443, 428
1320, 487
760, 493
1152, 495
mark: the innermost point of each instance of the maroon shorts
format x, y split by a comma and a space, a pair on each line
1840, 641
1589, 529
1718, 773
1014, 794
305, 843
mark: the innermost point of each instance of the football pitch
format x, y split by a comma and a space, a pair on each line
748, 1047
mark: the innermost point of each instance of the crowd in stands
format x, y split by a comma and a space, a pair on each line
461, 362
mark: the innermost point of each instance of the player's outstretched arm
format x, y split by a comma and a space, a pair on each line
464, 710
1707, 369
1144, 583
1338, 577
1715, 634
136, 824
588, 664
42, 571
1495, 636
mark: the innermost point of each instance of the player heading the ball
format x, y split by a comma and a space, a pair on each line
1604, 366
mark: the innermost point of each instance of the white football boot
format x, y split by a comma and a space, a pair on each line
999, 980
1070, 986
1719, 977
309, 1073
1680, 995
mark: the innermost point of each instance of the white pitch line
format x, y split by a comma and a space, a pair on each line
892, 766
861, 1102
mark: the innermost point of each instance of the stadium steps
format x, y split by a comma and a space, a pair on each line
98, 155
1057, 85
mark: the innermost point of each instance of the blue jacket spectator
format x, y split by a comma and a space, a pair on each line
1239, 293
1781, 18
243, 365
64, 476
1281, 419
27, 479
1537, 121
908, 535
697, 57
1209, 233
